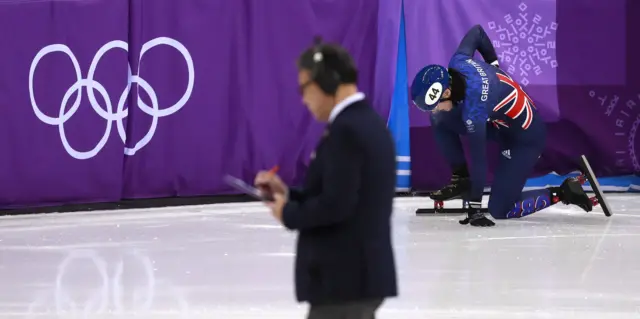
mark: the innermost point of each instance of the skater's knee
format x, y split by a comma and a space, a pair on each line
498, 214
499, 211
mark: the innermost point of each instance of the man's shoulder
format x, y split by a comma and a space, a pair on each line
360, 106
359, 121
359, 115
354, 113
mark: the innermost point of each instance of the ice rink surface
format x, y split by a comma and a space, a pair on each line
232, 261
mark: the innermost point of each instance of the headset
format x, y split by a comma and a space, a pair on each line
322, 73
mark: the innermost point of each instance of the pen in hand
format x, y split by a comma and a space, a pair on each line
274, 170
264, 187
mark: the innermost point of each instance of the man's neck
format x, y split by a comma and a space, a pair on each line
344, 91
345, 95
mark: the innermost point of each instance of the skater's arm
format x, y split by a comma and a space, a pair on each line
475, 118
448, 141
478, 170
477, 39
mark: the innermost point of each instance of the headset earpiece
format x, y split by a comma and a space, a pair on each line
327, 79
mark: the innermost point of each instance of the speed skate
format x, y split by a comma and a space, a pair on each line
586, 176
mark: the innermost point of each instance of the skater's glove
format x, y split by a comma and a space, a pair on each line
475, 217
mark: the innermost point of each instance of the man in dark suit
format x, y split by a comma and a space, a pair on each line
344, 263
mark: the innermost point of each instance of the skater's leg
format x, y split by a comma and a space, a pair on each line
570, 192
530, 202
507, 200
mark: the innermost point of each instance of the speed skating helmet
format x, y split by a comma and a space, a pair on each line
428, 86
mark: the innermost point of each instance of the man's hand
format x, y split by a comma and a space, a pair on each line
277, 205
270, 183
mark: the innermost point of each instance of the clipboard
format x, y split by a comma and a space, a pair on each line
245, 188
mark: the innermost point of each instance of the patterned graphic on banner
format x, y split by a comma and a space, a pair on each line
74, 297
107, 111
624, 113
526, 44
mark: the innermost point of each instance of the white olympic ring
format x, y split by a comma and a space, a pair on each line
97, 303
108, 114
75, 296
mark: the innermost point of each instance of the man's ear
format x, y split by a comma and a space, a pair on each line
446, 94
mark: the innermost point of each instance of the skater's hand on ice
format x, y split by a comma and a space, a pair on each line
475, 217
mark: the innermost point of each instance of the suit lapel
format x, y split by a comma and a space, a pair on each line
324, 136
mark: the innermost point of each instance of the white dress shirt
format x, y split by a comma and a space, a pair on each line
343, 105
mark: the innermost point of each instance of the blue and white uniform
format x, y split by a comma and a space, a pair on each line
494, 107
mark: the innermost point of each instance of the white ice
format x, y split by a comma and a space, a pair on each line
232, 261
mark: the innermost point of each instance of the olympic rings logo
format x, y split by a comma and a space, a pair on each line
107, 112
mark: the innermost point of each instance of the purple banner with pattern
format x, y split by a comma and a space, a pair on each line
58, 145
111, 99
572, 57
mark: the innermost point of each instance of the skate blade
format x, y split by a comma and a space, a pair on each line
595, 186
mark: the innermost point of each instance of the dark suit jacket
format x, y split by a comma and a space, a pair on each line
343, 212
